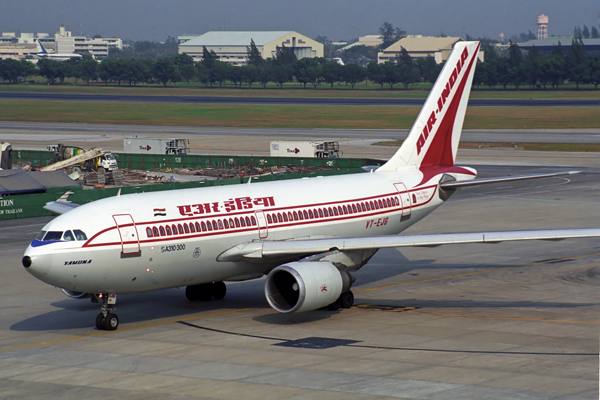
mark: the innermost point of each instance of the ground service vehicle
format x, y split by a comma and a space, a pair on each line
305, 149
138, 145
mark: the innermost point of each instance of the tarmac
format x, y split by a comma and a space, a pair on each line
476, 321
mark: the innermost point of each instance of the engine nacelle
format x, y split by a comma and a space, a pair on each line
75, 295
305, 286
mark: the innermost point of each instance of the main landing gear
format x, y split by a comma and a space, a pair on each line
346, 300
206, 291
106, 320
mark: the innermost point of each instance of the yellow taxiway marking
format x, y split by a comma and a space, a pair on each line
510, 318
122, 330
475, 273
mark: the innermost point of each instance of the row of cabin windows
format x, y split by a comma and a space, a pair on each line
203, 226
332, 211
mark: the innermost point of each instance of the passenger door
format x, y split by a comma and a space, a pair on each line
405, 201
130, 242
263, 230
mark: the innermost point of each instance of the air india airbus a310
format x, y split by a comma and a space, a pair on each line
306, 235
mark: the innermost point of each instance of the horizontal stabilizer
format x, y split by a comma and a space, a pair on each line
476, 182
60, 207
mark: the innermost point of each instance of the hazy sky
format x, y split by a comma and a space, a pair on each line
336, 19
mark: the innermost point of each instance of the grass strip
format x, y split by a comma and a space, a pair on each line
294, 90
288, 116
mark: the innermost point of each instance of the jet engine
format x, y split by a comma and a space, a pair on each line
75, 295
305, 286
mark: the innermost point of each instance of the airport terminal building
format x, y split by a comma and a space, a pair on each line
231, 47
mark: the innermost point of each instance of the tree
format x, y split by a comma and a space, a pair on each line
375, 73
250, 74
390, 35
235, 74
208, 57
408, 70
188, 72
595, 71
577, 63
165, 70
254, 57
284, 56
586, 32
27, 68
302, 68
353, 73
88, 69
595, 34
331, 72
281, 74
391, 73
429, 70
10, 70
577, 34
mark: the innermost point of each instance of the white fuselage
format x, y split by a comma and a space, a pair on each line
131, 246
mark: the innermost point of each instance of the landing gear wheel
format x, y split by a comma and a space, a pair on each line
347, 299
219, 290
100, 322
111, 322
192, 293
334, 306
205, 291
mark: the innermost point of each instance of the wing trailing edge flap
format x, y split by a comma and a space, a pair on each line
453, 184
261, 250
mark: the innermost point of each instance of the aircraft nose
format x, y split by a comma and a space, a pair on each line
37, 265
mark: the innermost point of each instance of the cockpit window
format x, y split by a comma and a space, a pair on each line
53, 235
68, 236
40, 235
79, 234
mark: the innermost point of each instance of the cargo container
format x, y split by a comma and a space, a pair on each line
282, 148
137, 145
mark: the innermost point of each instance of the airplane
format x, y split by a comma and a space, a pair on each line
42, 53
306, 235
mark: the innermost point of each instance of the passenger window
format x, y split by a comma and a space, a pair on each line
52, 235
185, 228
180, 229
325, 212
162, 231
209, 225
149, 232
198, 227
345, 210
353, 207
305, 214
214, 224
168, 230
226, 224
253, 220
69, 236
154, 231
174, 229
269, 219
285, 217
237, 223
40, 235
191, 228
310, 213
242, 221
295, 216
203, 226
220, 224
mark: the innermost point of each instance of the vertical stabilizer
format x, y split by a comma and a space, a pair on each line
40, 48
433, 138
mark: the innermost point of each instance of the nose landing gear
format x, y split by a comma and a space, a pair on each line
106, 320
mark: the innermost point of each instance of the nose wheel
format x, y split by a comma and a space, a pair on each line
106, 320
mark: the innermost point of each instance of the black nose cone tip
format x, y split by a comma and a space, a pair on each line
27, 261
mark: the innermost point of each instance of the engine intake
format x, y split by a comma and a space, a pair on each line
75, 295
305, 286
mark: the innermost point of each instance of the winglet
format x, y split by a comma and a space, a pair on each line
433, 139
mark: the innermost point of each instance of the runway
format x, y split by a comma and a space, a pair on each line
293, 101
495, 321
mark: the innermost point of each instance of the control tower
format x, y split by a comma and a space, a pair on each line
542, 23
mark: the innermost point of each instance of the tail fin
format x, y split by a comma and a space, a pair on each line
40, 48
433, 138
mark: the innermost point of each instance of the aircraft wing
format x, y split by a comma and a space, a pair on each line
60, 207
258, 250
476, 182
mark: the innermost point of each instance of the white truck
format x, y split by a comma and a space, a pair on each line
138, 145
305, 149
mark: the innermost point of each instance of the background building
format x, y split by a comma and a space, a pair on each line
592, 46
420, 46
231, 47
98, 47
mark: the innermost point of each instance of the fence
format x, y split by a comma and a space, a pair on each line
31, 205
164, 162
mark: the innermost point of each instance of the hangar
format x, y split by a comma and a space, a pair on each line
231, 46
420, 46
545, 46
